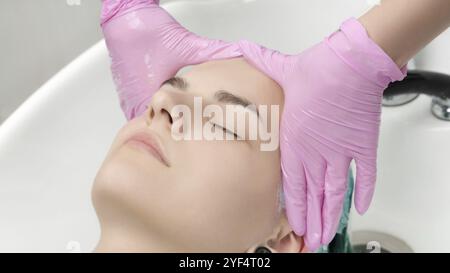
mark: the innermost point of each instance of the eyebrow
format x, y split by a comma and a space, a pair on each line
221, 95
177, 82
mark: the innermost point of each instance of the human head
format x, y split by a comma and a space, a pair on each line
216, 195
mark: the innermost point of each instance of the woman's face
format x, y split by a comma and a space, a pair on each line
216, 195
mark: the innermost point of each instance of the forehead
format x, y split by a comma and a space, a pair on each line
236, 76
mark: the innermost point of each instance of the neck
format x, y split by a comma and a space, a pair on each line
127, 238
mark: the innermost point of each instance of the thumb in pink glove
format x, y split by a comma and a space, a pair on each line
333, 94
148, 46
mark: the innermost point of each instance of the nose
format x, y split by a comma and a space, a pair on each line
158, 111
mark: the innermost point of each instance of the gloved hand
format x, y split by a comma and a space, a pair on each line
148, 46
333, 94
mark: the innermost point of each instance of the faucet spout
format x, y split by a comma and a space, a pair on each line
434, 84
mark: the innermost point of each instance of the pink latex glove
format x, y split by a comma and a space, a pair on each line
148, 46
333, 95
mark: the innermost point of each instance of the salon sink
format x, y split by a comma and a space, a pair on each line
52, 146
411, 200
50, 150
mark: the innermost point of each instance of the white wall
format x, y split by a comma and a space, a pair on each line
37, 38
436, 56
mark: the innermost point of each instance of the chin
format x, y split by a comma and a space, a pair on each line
123, 178
132, 182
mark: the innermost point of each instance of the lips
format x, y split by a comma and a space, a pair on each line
149, 142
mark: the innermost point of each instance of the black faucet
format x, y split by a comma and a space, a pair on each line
434, 84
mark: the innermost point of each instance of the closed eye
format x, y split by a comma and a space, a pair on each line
227, 131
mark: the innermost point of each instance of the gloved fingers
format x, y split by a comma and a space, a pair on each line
336, 181
366, 174
315, 183
294, 177
148, 47
294, 188
270, 62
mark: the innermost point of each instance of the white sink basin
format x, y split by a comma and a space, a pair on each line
413, 187
53, 145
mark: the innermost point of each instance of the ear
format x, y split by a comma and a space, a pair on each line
283, 239
290, 243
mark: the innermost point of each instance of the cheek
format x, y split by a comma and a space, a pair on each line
222, 191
